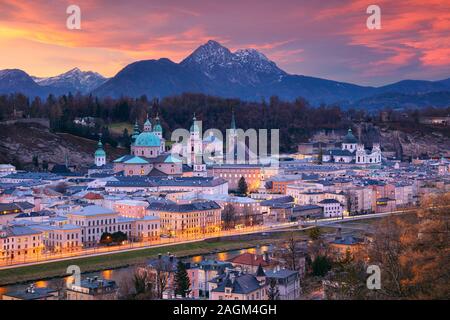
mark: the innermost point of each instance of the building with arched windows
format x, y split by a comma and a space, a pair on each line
352, 151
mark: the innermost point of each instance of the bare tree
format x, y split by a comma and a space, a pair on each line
292, 255
229, 216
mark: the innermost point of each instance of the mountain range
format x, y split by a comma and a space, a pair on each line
213, 69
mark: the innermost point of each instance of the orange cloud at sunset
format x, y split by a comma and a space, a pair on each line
327, 39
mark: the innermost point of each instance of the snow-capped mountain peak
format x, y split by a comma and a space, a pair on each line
74, 79
245, 66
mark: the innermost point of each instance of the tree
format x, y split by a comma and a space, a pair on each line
229, 216
248, 216
321, 265
35, 161
106, 238
126, 138
292, 255
242, 186
45, 165
348, 281
119, 237
320, 156
273, 292
412, 253
314, 233
143, 286
163, 273
182, 283
137, 286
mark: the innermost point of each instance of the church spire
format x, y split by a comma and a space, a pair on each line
147, 125
100, 154
233, 121
194, 126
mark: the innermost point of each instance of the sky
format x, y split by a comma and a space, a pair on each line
327, 39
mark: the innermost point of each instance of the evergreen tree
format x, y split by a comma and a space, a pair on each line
321, 265
314, 233
320, 156
126, 138
182, 282
242, 186
106, 238
36, 161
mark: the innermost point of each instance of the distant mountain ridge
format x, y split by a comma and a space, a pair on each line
213, 69
73, 80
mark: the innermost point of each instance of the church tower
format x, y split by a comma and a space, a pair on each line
147, 125
349, 142
100, 154
158, 131
195, 145
232, 140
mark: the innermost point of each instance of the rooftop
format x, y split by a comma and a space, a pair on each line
92, 211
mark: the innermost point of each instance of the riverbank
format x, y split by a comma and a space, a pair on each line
123, 259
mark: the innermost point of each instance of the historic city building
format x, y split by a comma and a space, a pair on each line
352, 151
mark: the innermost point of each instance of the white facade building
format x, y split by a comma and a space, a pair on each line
331, 208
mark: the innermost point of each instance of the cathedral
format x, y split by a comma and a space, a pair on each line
353, 152
148, 156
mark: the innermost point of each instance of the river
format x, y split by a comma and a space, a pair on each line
117, 274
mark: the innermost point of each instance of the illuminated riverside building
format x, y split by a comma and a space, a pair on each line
93, 289
20, 243
240, 286
187, 219
60, 238
96, 220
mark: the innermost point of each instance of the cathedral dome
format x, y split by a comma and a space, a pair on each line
100, 153
147, 139
349, 137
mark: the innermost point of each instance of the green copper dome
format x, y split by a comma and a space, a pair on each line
157, 128
194, 126
350, 138
147, 139
100, 152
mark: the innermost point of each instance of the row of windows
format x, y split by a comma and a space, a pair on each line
60, 236
19, 240
8, 247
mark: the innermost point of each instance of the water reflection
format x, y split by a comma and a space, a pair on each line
222, 256
107, 274
41, 284
117, 274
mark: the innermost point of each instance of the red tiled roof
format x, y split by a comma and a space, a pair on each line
93, 196
249, 259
